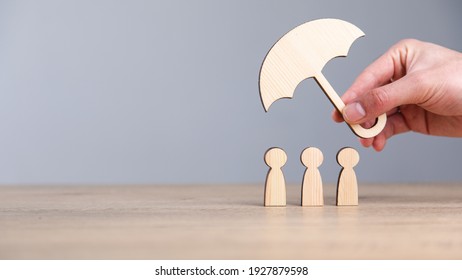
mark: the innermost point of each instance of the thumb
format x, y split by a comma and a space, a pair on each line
369, 106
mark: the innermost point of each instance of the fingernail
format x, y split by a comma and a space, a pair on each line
354, 112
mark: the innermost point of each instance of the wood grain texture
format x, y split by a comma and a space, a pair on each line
275, 184
312, 194
302, 53
347, 185
227, 222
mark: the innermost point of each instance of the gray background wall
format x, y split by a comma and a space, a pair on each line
166, 91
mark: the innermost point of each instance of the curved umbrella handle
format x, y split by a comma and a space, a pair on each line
339, 105
370, 132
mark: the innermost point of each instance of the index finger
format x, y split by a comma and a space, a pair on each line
390, 66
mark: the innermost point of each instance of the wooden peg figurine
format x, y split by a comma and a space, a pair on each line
275, 186
347, 186
312, 193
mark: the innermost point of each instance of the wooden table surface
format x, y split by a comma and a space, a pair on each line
227, 222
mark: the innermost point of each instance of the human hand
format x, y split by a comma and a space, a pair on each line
418, 85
